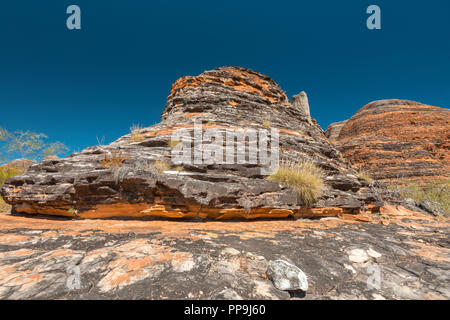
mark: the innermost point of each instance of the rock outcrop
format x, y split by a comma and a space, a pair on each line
300, 101
135, 176
396, 140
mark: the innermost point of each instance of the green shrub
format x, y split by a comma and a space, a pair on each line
437, 191
4, 207
5, 174
304, 177
8, 172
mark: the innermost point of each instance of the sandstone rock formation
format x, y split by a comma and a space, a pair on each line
300, 101
396, 140
333, 130
21, 164
125, 177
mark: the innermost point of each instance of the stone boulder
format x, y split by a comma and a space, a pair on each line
287, 277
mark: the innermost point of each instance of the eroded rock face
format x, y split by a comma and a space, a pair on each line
396, 140
123, 179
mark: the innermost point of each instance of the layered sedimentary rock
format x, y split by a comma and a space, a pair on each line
135, 176
396, 140
333, 130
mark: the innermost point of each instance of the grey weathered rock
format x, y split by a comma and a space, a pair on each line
358, 256
300, 101
432, 207
411, 202
285, 276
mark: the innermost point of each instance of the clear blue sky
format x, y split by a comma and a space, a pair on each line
117, 70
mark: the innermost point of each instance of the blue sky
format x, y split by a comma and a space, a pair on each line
117, 70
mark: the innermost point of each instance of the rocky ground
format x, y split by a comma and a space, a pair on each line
131, 259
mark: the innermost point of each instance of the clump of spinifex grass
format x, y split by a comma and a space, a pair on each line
266, 123
135, 134
113, 161
161, 166
172, 143
304, 177
363, 174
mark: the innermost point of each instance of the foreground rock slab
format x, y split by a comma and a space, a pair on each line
41, 257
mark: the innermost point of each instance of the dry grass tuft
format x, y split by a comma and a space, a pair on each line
266, 123
363, 174
135, 135
304, 177
114, 161
179, 168
161, 166
4, 207
172, 143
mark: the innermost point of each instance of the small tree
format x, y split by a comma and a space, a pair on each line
28, 145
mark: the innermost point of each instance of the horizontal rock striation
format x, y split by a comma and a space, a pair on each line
396, 140
135, 176
333, 130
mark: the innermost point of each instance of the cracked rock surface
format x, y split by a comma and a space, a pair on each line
395, 254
